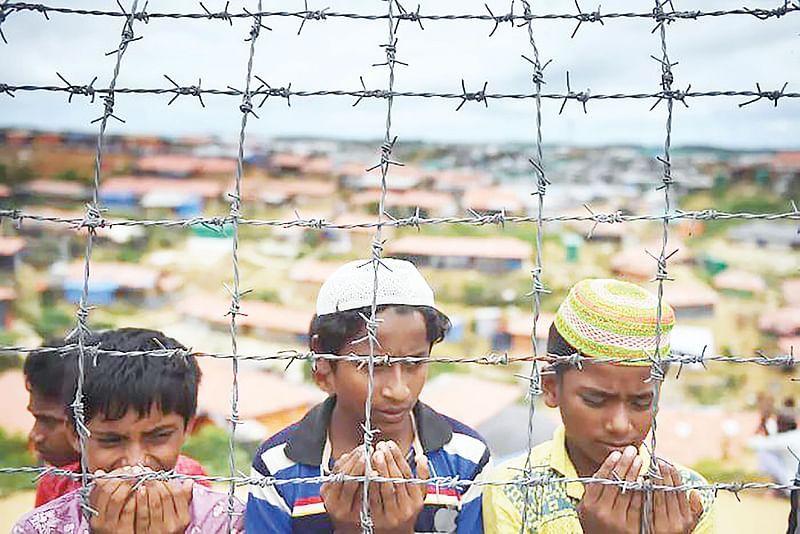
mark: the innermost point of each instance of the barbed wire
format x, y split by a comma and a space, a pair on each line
531, 480
287, 92
499, 218
495, 358
662, 14
515, 19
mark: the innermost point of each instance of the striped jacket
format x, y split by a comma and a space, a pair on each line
452, 450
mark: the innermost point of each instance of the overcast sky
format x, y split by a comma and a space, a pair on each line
732, 52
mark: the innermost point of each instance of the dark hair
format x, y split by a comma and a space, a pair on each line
114, 384
334, 330
44, 370
558, 346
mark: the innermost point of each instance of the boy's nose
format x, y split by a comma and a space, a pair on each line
394, 387
36, 437
618, 422
135, 455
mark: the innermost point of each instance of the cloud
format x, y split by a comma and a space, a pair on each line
713, 53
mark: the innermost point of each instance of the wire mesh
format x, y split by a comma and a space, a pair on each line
662, 14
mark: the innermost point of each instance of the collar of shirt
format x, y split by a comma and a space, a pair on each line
306, 445
562, 463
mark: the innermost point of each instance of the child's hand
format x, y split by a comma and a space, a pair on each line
343, 499
674, 512
395, 507
606, 509
162, 507
111, 498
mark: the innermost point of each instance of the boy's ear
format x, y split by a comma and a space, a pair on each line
314, 343
72, 437
190, 425
550, 386
323, 376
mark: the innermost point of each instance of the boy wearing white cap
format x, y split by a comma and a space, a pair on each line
412, 440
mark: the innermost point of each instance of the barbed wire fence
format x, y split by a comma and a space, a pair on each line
662, 14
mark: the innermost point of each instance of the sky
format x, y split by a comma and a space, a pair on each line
713, 53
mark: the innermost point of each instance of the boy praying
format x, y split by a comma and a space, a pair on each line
138, 410
412, 440
606, 411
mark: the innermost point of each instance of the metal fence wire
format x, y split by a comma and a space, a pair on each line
520, 15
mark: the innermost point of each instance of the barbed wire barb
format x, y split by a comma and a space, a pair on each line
594, 16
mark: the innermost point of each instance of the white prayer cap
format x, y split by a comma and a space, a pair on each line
352, 285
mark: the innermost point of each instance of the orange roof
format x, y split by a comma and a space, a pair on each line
14, 417
431, 200
313, 271
139, 185
684, 294
522, 325
783, 321
636, 263
216, 166
791, 291
455, 395
129, 275
309, 188
786, 161
7, 293
260, 189
318, 165
492, 199
352, 168
259, 314
705, 429
60, 188
474, 247
458, 177
10, 246
260, 392
740, 281
185, 165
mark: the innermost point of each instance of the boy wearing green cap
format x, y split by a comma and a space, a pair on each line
606, 412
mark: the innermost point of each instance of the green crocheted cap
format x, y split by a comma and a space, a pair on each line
613, 319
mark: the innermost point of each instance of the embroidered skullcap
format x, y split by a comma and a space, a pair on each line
352, 285
614, 319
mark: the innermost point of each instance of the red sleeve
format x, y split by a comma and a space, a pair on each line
52, 487
190, 466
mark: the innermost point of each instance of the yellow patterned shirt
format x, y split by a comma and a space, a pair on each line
552, 508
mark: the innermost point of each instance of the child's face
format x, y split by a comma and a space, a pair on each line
152, 441
50, 434
396, 387
603, 407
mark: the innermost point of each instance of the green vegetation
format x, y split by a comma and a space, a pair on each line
11, 361
266, 295
726, 472
13, 175
712, 392
53, 322
71, 175
738, 199
14, 453
210, 447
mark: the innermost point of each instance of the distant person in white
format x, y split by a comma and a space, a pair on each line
776, 448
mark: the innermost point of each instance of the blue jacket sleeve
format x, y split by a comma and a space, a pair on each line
267, 510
